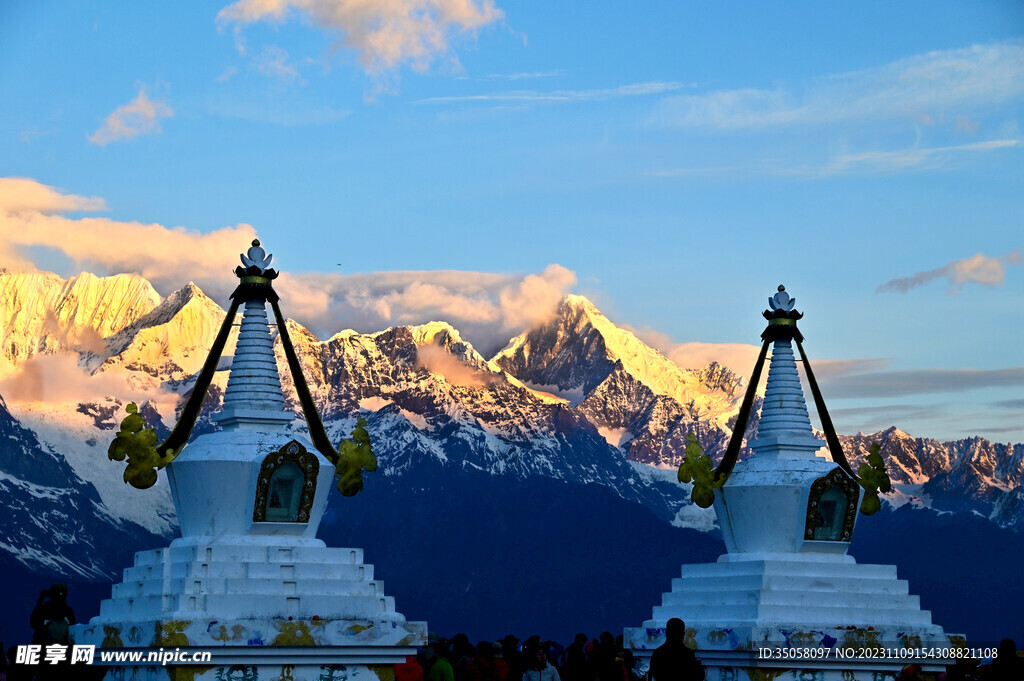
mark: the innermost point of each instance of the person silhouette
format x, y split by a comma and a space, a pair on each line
52, 617
673, 660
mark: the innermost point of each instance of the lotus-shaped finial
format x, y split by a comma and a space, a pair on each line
257, 257
781, 300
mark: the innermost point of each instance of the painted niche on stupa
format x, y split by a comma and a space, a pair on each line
286, 485
832, 508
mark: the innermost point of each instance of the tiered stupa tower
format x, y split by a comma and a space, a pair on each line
248, 579
786, 583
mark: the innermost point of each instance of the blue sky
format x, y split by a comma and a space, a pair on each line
472, 161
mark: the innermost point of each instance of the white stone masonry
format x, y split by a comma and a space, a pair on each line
253, 398
246, 581
775, 586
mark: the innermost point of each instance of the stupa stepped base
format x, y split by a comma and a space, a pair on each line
832, 619
768, 590
264, 607
245, 580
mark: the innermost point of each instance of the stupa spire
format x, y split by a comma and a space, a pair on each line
784, 418
784, 431
785, 410
253, 397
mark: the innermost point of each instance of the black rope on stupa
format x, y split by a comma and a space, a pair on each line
831, 439
255, 283
190, 412
317, 432
137, 442
782, 319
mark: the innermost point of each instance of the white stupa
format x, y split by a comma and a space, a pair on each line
248, 579
786, 583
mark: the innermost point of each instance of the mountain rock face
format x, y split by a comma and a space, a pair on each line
973, 475
433, 399
42, 313
575, 409
53, 520
642, 402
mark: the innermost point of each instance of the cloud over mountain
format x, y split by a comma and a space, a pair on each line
387, 34
490, 307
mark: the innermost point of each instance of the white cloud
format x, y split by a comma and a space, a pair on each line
532, 301
915, 87
21, 195
30, 216
386, 34
59, 378
526, 76
906, 159
487, 307
977, 269
457, 372
141, 116
559, 96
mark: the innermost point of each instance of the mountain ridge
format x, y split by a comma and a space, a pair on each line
432, 400
443, 419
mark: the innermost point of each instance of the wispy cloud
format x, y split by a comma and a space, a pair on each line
827, 369
922, 85
274, 109
559, 96
885, 411
275, 62
977, 269
922, 381
227, 74
526, 76
875, 162
386, 35
906, 159
141, 116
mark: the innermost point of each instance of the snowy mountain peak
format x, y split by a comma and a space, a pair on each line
42, 313
435, 333
176, 335
575, 301
580, 347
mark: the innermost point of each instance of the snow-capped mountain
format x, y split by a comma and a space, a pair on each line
53, 520
577, 408
575, 399
971, 475
642, 402
435, 400
42, 313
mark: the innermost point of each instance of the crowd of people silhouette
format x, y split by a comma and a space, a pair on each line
603, 658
